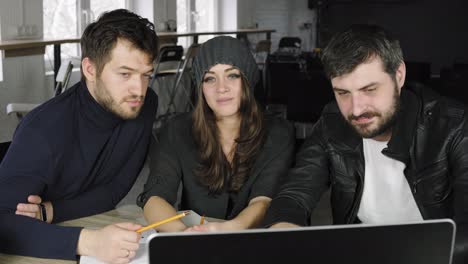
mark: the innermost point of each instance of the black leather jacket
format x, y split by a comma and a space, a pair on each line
430, 136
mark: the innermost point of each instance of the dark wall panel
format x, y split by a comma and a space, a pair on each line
432, 31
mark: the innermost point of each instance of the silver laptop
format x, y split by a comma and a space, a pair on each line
428, 242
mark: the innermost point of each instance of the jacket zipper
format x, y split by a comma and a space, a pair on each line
357, 201
414, 191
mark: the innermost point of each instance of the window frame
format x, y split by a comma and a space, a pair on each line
84, 16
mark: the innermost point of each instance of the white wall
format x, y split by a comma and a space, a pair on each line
157, 11
226, 15
286, 16
13, 14
302, 23
144, 8
245, 13
163, 10
23, 77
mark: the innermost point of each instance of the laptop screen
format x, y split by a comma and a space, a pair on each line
428, 242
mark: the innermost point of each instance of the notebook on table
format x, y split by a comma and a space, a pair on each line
428, 242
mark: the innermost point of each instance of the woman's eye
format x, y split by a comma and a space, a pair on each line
234, 76
209, 79
125, 74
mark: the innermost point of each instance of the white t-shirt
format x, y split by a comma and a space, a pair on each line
387, 197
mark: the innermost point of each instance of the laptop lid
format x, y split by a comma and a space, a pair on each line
428, 242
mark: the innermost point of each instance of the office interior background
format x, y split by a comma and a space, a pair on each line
433, 36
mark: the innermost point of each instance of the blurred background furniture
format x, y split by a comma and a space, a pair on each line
63, 76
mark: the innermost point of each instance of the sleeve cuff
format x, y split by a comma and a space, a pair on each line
286, 210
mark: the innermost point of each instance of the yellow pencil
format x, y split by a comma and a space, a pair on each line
202, 220
153, 225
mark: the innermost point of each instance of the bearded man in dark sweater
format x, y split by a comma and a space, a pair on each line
79, 153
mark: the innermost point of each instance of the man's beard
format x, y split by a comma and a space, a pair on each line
387, 119
104, 98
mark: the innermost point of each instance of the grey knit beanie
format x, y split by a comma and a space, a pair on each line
225, 50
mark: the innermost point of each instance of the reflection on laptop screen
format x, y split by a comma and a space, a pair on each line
428, 242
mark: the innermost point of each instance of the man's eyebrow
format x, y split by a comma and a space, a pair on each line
132, 69
336, 89
360, 89
367, 86
126, 68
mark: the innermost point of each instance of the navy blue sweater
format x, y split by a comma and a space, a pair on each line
74, 153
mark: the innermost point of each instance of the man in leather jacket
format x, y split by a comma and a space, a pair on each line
389, 153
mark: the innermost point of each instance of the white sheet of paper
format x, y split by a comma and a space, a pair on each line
191, 219
141, 255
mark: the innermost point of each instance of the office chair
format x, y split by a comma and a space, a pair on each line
174, 87
168, 55
166, 80
262, 49
3, 149
289, 46
290, 42
63, 76
186, 68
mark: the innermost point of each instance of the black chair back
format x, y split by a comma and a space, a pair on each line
3, 149
290, 42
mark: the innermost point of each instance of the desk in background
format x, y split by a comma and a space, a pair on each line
171, 37
14, 48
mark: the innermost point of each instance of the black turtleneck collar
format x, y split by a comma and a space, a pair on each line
92, 111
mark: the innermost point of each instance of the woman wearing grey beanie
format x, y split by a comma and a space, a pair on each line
227, 155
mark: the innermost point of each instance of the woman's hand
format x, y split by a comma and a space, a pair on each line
214, 227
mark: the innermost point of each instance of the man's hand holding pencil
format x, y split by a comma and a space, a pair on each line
116, 243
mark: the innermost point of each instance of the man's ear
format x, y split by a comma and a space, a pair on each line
89, 69
400, 75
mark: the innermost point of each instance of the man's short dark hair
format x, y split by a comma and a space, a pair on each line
100, 37
357, 44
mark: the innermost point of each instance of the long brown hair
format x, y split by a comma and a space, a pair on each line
215, 171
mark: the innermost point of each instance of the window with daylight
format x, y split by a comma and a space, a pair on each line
67, 19
1, 69
196, 15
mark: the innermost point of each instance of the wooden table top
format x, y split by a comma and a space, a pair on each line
125, 213
130, 213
